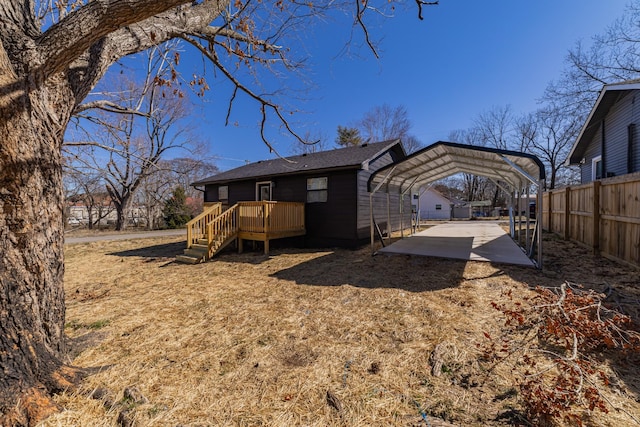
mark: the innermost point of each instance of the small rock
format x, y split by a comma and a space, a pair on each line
99, 393
103, 395
333, 401
124, 419
133, 394
435, 360
374, 368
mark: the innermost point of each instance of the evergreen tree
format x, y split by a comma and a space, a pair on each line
175, 209
348, 137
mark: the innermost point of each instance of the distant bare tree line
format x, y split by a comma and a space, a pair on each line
119, 158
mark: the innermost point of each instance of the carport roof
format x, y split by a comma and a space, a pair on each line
444, 159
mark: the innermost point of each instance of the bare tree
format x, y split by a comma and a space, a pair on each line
52, 54
549, 134
132, 140
384, 122
89, 190
610, 57
156, 188
411, 144
472, 186
313, 142
495, 128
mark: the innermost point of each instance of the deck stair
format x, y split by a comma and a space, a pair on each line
209, 233
213, 230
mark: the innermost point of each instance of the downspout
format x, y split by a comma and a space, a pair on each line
630, 133
602, 151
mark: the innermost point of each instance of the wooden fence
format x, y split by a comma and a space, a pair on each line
604, 215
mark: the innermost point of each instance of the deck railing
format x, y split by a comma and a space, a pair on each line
197, 227
257, 221
221, 229
270, 217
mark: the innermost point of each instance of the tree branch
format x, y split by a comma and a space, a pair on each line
107, 106
421, 3
213, 57
67, 40
88, 68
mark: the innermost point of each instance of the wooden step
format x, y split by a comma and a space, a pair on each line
198, 247
195, 253
187, 259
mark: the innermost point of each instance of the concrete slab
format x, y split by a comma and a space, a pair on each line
468, 240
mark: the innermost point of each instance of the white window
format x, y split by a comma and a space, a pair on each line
317, 189
438, 207
596, 168
223, 192
263, 191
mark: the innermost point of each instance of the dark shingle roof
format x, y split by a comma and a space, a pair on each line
350, 157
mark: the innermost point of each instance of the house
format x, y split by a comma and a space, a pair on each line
331, 185
431, 204
608, 142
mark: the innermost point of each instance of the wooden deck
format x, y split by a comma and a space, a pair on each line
264, 221
211, 231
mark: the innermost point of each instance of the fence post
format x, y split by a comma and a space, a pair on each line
567, 213
550, 211
596, 217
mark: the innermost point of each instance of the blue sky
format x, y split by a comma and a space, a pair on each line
466, 57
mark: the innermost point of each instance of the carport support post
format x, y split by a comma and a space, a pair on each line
512, 223
519, 201
373, 248
388, 216
401, 215
539, 220
527, 220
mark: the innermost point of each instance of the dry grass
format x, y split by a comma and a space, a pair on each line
248, 340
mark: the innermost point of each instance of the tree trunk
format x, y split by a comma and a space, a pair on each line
31, 243
123, 208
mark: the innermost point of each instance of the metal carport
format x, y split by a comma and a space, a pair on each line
512, 171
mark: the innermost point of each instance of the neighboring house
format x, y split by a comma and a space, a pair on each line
78, 213
332, 184
608, 143
431, 204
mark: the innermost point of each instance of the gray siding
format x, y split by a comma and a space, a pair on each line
380, 211
635, 155
592, 151
617, 121
617, 157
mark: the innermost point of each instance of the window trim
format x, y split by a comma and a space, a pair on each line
594, 164
264, 184
318, 185
223, 190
